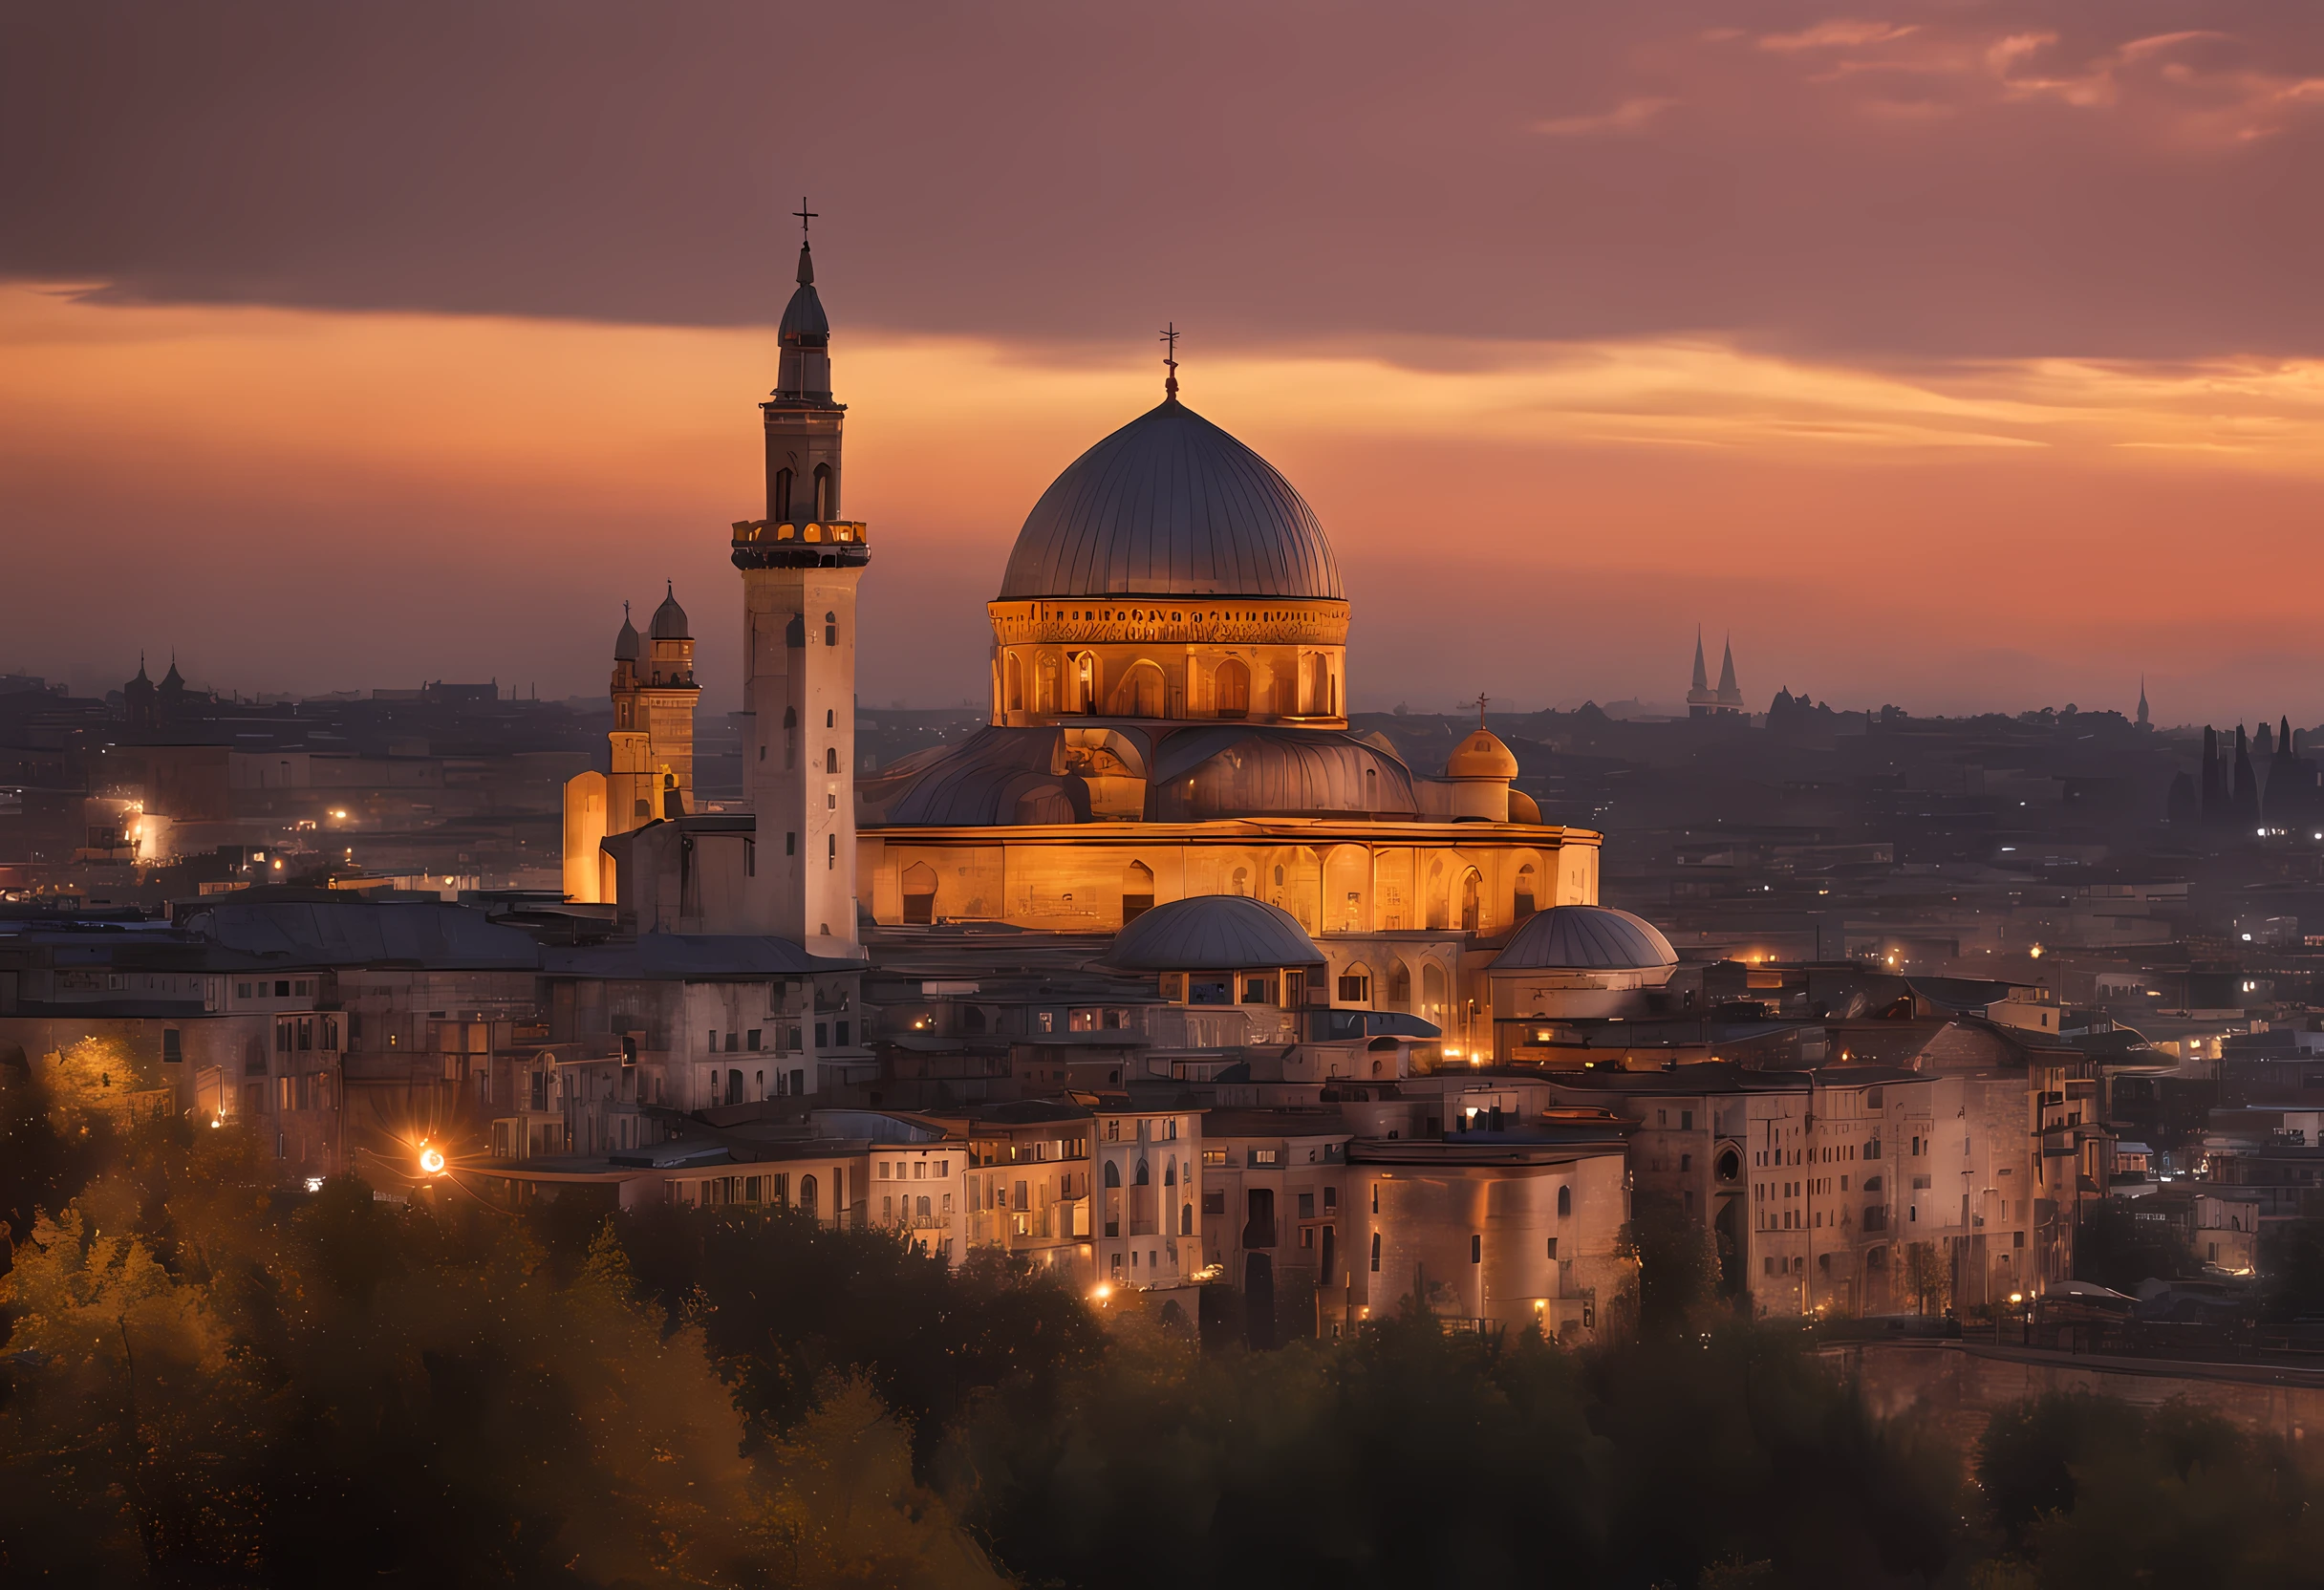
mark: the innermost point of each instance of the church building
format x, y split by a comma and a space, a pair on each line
1169, 679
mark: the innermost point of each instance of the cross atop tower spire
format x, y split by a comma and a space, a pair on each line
805, 216
1169, 340
1481, 700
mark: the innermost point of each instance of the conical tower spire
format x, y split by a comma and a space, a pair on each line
1702, 673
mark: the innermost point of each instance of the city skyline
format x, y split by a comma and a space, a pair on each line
1948, 336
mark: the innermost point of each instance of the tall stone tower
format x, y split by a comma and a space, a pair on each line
800, 566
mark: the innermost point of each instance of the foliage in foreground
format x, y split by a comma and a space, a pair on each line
208, 1382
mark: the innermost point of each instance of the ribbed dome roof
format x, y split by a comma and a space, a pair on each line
1589, 939
1171, 505
670, 619
1213, 933
1481, 756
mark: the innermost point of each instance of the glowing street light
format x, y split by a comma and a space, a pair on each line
431, 1160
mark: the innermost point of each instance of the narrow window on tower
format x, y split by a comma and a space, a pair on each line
834, 859
791, 737
831, 629
830, 758
750, 869
827, 503
831, 717
790, 844
783, 496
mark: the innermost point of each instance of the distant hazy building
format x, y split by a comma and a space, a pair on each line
1702, 701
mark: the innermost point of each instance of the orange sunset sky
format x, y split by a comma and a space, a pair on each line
1962, 356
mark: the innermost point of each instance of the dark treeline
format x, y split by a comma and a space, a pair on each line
209, 1381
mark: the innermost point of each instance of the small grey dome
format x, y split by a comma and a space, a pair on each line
1171, 505
804, 322
1213, 933
625, 644
670, 619
1591, 938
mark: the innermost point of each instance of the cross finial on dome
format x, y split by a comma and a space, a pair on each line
1481, 700
1169, 383
805, 216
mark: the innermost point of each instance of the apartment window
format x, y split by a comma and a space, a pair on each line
241, 991
1213, 1156
1262, 1157
1214, 1202
1686, 1120
1306, 1206
1331, 1199
752, 1042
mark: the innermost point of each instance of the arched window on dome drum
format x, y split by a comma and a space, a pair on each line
1137, 892
1524, 895
1044, 699
1231, 690
921, 894
826, 494
1139, 694
1013, 693
782, 504
1471, 902
1082, 686
1242, 882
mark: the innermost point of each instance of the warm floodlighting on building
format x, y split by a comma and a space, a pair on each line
2016, 1297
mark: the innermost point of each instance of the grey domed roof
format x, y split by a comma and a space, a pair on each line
670, 619
625, 644
1171, 505
1213, 933
1592, 938
802, 317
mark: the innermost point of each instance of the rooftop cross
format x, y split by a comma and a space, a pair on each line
805, 215
1170, 338
1481, 700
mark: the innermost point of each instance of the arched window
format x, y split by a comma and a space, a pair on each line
1044, 698
826, 496
1170, 1173
1242, 882
1114, 1174
1145, 1177
921, 894
806, 1195
831, 629
1565, 1201
1231, 694
1525, 887
734, 1088
1356, 984
1084, 685
1433, 992
1186, 1219
1013, 692
1472, 901
830, 758
783, 496
1139, 692
1137, 892
1399, 986
923, 1209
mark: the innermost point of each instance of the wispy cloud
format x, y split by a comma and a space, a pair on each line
1631, 116
1839, 34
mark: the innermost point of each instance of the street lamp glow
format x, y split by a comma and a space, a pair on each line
431, 1160
1101, 1292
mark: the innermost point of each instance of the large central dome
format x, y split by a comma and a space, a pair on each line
1171, 505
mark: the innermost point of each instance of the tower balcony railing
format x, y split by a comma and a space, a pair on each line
755, 532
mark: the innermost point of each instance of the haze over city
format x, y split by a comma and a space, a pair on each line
1962, 358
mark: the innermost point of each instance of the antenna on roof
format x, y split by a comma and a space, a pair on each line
1170, 338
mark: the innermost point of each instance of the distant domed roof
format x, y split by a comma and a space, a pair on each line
1213, 933
625, 644
1171, 505
1481, 756
1593, 938
670, 619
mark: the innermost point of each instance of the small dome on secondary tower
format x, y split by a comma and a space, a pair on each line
670, 619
